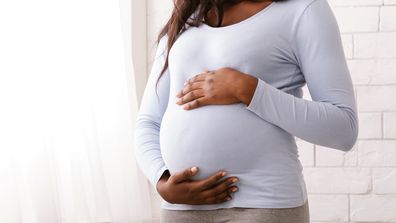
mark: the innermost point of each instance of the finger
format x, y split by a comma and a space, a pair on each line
187, 88
184, 175
195, 78
218, 188
229, 180
219, 192
201, 101
211, 180
209, 72
192, 95
222, 197
185, 94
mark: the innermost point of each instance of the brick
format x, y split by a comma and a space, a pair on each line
389, 2
328, 207
363, 19
389, 125
384, 180
306, 152
375, 45
373, 208
337, 180
326, 156
373, 71
370, 125
371, 98
377, 153
388, 18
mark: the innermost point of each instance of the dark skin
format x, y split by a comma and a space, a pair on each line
219, 87
216, 87
178, 188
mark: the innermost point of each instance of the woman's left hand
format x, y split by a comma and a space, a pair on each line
222, 86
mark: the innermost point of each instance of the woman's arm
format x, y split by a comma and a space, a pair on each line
148, 122
330, 119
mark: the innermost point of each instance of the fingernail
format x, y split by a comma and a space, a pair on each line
234, 189
228, 198
235, 180
193, 169
223, 173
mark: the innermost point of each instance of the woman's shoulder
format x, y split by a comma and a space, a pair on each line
298, 6
293, 10
298, 3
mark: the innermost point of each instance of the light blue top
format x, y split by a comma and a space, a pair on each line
286, 45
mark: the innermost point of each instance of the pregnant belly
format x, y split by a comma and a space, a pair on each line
224, 137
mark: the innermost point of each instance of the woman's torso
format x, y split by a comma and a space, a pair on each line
230, 137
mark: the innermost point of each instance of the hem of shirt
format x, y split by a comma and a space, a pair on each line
290, 204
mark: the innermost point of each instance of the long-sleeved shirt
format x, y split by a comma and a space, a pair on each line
285, 46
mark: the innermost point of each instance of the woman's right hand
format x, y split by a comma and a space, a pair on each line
180, 189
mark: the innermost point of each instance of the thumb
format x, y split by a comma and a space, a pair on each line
185, 175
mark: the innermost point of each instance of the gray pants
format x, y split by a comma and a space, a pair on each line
298, 214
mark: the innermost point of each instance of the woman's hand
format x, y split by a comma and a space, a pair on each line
180, 189
222, 86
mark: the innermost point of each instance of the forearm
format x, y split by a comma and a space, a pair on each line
148, 121
317, 122
147, 150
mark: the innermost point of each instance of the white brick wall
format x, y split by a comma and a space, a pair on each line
360, 185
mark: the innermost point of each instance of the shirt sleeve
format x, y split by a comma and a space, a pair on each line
330, 118
148, 121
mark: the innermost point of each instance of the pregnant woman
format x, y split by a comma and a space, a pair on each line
224, 101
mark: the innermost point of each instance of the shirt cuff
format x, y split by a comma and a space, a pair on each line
257, 95
159, 174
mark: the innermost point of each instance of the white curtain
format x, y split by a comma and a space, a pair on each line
67, 112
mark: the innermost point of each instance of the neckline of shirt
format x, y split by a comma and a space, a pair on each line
262, 11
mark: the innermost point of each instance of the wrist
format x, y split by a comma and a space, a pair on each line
246, 88
163, 179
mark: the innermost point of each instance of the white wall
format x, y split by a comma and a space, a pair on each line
358, 186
